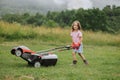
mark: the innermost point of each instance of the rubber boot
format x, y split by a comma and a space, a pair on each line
74, 61
85, 61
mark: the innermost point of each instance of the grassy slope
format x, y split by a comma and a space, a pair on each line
102, 54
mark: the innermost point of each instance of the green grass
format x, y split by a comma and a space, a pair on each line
102, 51
104, 63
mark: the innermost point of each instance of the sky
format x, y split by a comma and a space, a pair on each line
75, 4
53, 5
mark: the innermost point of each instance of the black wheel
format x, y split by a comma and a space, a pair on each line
37, 64
30, 64
18, 53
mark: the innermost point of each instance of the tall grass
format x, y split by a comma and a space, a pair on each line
16, 31
101, 38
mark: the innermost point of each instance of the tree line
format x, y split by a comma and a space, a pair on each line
107, 19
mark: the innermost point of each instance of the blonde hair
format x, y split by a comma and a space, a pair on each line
78, 24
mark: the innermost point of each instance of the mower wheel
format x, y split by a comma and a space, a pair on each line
18, 53
37, 64
30, 64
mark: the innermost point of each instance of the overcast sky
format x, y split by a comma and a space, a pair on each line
47, 5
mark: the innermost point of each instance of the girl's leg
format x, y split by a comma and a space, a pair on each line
74, 58
83, 58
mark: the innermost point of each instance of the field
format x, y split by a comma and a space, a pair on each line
102, 51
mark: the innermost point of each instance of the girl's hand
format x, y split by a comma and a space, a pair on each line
75, 45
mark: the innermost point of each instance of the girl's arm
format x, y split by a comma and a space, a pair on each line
80, 41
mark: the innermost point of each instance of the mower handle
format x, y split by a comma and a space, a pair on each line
62, 48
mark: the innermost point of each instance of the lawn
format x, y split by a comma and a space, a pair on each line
104, 63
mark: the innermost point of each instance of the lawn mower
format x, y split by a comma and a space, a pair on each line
36, 59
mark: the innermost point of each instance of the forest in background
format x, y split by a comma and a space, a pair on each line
106, 20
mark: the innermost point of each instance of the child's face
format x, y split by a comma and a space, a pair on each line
75, 26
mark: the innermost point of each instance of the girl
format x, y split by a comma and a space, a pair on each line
77, 45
